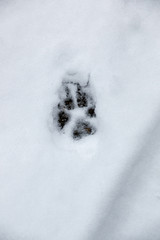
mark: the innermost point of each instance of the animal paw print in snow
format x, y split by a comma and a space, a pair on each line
76, 110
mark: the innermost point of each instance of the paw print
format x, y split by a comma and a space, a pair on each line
76, 110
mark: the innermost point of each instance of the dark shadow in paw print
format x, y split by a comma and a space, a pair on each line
63, 118
75, 95
67, 102
91, 112
83, 128
81, 97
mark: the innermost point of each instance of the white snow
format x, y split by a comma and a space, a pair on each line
107, 186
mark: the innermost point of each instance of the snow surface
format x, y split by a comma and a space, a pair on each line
107, 186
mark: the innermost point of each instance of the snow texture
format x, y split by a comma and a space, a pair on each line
105, 186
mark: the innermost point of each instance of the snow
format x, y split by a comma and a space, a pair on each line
106, 186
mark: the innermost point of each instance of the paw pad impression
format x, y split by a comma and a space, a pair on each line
76, 109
